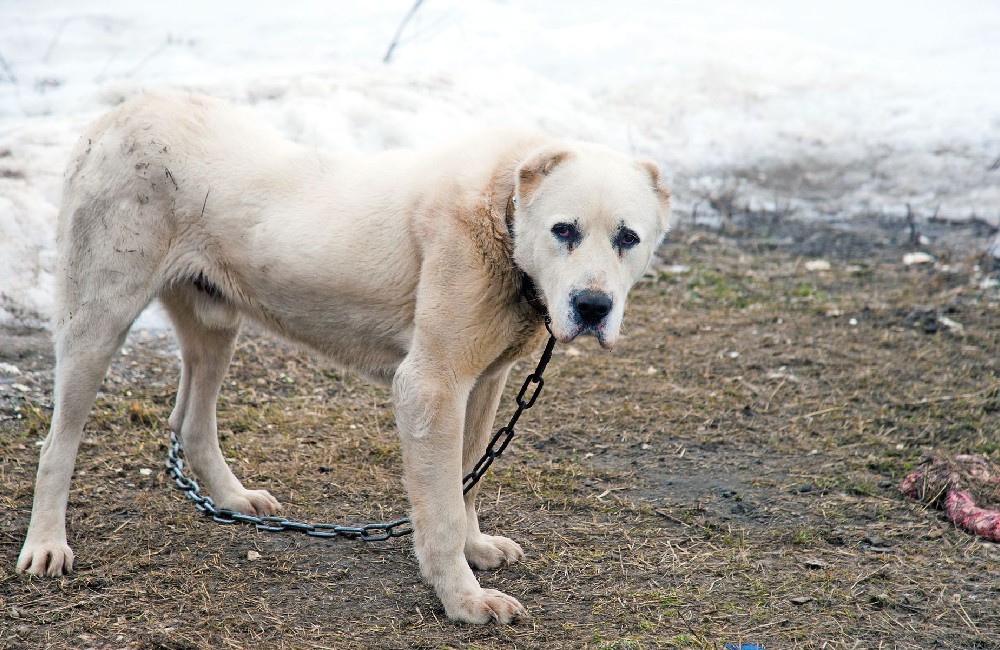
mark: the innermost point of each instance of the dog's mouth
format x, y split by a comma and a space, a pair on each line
578, 330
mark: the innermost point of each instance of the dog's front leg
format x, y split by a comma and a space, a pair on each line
429, 398
484, 551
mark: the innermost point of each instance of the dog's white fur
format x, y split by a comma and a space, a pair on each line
398, 266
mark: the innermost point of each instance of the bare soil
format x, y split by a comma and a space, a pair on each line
727, 475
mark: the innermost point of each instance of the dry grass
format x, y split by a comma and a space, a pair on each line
727, 475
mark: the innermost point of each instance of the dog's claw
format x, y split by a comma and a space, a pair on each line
485, 606
258, 503
492, 551
45, 559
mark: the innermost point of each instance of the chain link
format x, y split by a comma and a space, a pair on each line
377, 532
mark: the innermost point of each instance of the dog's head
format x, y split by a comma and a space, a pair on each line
586, 225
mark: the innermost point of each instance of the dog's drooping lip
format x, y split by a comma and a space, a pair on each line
601, 340
597, 331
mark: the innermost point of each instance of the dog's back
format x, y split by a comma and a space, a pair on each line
183, 198
151, 163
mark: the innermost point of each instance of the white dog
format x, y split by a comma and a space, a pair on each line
405, 267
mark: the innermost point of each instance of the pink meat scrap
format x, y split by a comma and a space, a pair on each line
955, 485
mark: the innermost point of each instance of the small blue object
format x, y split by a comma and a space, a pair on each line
744, 646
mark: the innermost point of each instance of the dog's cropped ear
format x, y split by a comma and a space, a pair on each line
662, 193
537, 167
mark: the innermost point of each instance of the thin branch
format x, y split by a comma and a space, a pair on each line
55, 40
948, 398
7, 71
399, 31
146, 59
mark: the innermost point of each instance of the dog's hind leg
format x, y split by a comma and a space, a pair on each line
481, 550
207, 346
95, 315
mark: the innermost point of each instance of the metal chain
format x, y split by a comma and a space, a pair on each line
377, 532
504, 434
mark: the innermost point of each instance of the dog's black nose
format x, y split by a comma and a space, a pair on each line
591, 306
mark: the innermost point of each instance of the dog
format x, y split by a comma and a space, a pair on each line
423, 270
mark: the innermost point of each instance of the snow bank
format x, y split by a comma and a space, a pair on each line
850, 108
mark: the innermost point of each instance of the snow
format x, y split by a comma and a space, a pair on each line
839, 110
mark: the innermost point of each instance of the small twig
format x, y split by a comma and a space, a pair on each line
819, 412
947, 398
810, 415
7, 71
92, 598
755, 390
55, 41
146, 59
316, 646
399, 31
866, 576
965, 615
687, 624
767, 405
764, 626
663, 513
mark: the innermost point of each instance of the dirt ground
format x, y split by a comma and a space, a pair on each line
727, 475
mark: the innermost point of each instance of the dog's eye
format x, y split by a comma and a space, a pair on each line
566, 232
626, 239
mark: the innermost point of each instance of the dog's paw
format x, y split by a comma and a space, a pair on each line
483, 606
51, 559
258, 503
490, 552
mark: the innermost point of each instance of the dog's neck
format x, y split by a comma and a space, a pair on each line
528, 290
